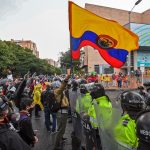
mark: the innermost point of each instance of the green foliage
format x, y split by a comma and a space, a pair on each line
66, 62
20, 61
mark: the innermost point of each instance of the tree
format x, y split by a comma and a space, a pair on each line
66, 62
20, 61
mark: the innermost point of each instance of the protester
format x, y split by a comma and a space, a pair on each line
9, 139
46, 97
114, 79
62, 114
25, 125
37, 100
119, 80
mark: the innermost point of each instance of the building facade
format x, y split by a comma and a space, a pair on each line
52, 62
27, 44
92, 58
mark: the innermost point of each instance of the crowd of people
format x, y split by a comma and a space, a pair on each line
95, 120
116, 80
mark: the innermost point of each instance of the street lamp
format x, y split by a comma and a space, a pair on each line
129, 56
132, 10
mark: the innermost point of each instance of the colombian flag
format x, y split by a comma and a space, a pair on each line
112, 40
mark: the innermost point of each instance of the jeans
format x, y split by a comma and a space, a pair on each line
37, 109
47, 113
119, 84
62, 121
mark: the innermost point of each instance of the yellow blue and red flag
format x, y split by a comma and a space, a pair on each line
112, 40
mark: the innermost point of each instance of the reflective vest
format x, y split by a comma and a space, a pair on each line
104, 111
125, 132
84, 103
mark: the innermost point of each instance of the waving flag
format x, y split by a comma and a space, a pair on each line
112, 40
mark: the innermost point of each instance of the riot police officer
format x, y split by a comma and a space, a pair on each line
82, 105
143, 130
103, 104
125, 130
147, 97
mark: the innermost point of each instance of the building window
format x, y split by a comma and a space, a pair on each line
96, 68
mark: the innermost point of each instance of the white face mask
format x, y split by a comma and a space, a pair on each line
5, 113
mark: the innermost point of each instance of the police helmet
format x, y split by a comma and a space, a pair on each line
140, 88
147, 85
81, 81
97, 91
131, 101
143, 126
83, 89
74, 83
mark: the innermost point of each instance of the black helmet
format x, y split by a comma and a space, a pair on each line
143, 126
147, 85
3, 104
140, 88
74, 83
131, 101
81, 81
97, 91
83, 89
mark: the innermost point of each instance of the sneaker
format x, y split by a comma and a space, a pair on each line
59, 148
37, 117
49, 131
54, 131
64, 139
70, 121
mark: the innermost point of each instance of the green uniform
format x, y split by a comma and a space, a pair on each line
125, 132
104, 108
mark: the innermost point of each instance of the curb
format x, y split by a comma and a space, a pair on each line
127, 89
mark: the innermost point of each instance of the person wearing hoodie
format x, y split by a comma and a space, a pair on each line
25, 124
37, 99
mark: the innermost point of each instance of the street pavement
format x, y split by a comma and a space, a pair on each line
46, 140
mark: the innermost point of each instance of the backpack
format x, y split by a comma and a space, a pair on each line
51, 101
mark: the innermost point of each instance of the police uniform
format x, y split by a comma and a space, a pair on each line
125, 132
105, 106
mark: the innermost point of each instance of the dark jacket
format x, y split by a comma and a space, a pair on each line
10, 140
19, 92
26, 130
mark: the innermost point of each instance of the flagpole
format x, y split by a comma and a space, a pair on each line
71, 61
70, 28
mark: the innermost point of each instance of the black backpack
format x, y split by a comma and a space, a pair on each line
51, 101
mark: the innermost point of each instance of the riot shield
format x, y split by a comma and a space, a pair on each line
88, 134
107, 119
75, 98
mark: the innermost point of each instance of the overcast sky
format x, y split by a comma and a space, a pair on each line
46, 21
